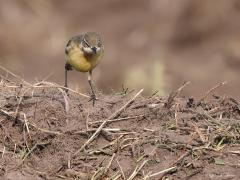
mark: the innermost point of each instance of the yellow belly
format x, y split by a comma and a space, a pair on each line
80, 63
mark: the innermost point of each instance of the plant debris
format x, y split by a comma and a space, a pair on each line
46, 134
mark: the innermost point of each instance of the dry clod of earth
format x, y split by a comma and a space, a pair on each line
46, 134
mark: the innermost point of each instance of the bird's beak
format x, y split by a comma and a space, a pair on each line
94, 49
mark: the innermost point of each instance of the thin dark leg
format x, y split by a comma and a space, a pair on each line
67, 68
93, 95
66, 71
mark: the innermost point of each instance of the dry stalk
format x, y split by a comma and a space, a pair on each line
66, 100
115, 177
32, 149
26, 123
235, 152
199, 132
116, 120
106, 121
54, 85
102, 170
212, 89
121, 170
98, 174
11, 115
112, 143
174, 94
176, 115
46, 130
94, 129
29, 152
20, 101
127, 140
136, 170
161, 172
14, 75
150, 130
15, 147
3, 151
87, 119
181, 157
69, 161
110, 162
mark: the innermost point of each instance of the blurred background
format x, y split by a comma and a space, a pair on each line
153, 44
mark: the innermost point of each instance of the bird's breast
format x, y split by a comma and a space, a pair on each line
81, 62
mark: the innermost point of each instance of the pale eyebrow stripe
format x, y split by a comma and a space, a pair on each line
86, 42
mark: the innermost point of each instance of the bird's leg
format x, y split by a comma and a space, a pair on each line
93, 95
67, 68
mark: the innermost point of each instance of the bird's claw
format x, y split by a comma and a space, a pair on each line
93, 99
66, 90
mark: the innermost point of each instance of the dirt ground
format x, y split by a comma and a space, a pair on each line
47, 134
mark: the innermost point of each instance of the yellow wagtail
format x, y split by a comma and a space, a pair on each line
83, 53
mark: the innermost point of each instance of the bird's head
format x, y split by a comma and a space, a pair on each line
91, 43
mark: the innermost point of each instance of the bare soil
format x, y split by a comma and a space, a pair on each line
164, 42
42, 132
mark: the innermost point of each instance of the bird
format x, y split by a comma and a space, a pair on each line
83, 53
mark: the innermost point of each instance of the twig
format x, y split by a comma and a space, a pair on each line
46, 130
147, 129
29, 152
116, 120
19, 102
10, 114
115, 178
3, 151
106, 121
26, 123
66, 100
110, 162
87, 127
69, 161
47, 76
200, 134
32, 149
161, 172
35, 110
123, 175
176, 115
235, 152
126, 133
98, 174
53, 85
174, 94
181, 158
14, 75
15, 147
136, 170
95, 129
213, 89
112, 143
103, 170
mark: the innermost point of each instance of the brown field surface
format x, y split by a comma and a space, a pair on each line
47, 134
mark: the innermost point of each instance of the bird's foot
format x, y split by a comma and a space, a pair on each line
66, 89
93, 99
